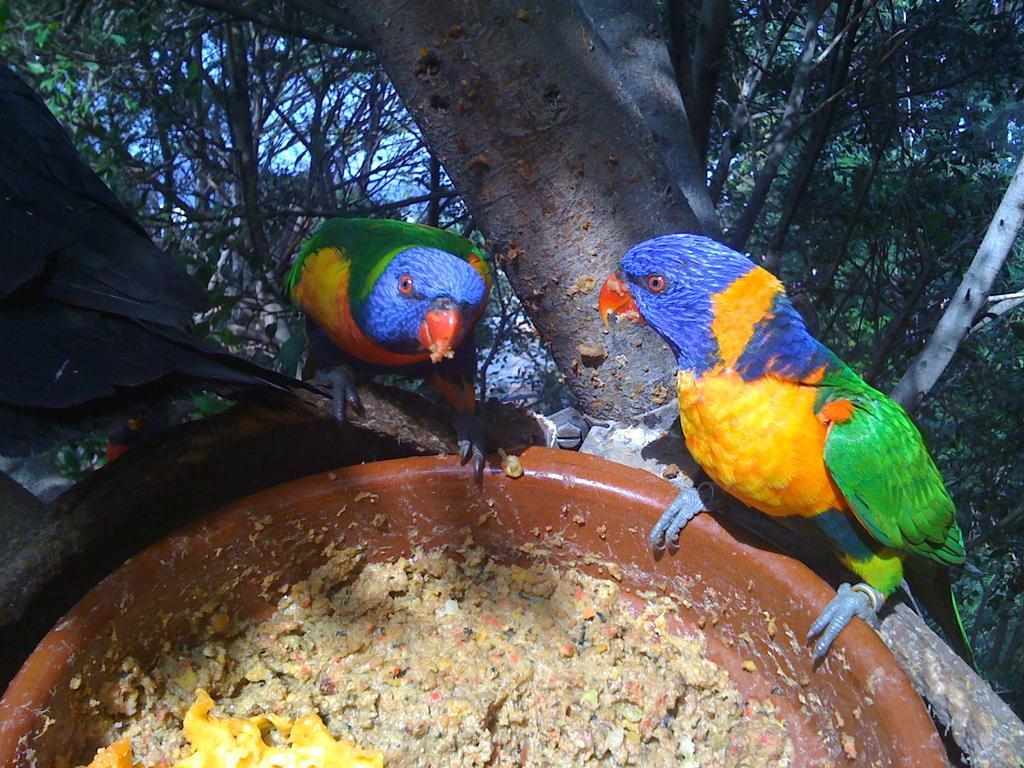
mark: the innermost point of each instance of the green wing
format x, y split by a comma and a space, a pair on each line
880, 463
370, 244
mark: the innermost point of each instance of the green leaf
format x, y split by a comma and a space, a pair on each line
119, 39
35, 68
290, 353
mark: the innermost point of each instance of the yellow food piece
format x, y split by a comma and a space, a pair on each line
237, 742
117, 755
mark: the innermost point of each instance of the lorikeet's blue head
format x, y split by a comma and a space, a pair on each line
714, 307
425, 299
668, 282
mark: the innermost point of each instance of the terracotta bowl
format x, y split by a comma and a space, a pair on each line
753, 604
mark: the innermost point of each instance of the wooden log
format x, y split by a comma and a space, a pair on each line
981, 723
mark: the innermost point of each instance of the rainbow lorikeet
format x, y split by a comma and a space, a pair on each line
782, 424
391, 297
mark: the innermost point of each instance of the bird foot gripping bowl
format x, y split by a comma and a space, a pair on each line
753, 604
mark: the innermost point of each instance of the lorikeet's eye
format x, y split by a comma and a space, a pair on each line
405, 284
656, 283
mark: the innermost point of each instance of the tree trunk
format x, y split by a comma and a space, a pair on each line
968, 300
533, 123
243, 140
627, 28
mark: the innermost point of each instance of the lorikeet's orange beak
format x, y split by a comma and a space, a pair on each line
440, 332
115, 450
616, 300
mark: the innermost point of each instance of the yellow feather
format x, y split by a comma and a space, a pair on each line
738, 309
759, 440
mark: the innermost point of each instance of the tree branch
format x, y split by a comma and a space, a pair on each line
969, 298
707, 59
741, 115
1002, 304
894, 329
243, 140
838, 70
783, 132
246, 12
981, 723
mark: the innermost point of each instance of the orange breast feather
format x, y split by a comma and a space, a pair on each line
760, 440
323, 294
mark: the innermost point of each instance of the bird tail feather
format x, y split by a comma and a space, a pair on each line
929, 587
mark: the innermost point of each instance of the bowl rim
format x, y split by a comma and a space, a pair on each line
902, 709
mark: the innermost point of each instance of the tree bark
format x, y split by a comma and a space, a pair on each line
627, 28
532, 121
968, 300
981, 723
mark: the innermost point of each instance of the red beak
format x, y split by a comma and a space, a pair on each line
441, 332
616, 300
115, 450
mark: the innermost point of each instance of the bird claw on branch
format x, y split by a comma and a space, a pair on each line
343, 390
860, 600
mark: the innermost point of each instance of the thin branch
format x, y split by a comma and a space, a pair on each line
741, 116
440, 194
245, 12
784, 131
1011, 517
969, 298
1001, 304
707, 60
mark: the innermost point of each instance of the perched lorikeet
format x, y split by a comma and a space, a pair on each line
391, 297
781, 423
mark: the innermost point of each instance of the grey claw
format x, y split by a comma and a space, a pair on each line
479, 463
343, 391
468, 433
682, 510
352, 398
861, 600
